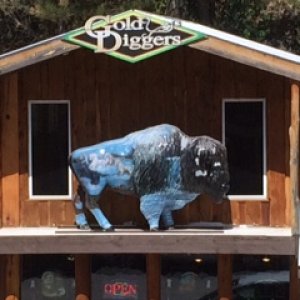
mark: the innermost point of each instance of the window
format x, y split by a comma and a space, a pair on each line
188, 276
49, 148
119, 276
245, 139
48, 277
261, 277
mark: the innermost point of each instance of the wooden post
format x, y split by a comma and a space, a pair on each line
12, 277
225, 276
294, 156
294, 281
83, 277
10, 152
2, 276
153, 276
1, 117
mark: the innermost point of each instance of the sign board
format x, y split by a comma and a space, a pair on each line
132, 36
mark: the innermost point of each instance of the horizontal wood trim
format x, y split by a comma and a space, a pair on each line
211, 45
249, 57
34, 55
235, 241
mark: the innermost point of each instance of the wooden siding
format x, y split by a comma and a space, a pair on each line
110, 98
10, 151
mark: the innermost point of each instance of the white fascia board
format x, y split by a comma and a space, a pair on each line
221, 35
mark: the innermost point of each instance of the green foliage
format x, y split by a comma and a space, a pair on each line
275, 22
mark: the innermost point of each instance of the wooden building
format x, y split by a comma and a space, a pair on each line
54, 95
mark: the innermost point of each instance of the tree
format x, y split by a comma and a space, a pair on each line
274, 22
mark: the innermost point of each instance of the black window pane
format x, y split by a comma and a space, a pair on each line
48, 277
260, 277
244, 142
119, 276
189, 276
50, 149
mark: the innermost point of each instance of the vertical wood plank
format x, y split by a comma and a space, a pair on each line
12, 280
153, 276
276, 149
287, 98
225, 276
1, 117
30, 89
294, 281
2, 276
56, 81
10, 152
83, 277
294, 155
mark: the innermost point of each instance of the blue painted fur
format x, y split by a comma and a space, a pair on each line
161, 165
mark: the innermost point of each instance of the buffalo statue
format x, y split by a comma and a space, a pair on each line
161, 165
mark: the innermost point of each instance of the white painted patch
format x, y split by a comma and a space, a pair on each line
199, 150
199, 173
197, 161
184, 142
217, 164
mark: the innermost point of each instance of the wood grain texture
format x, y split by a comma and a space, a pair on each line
225, 276
10, 152
294, 156
110, 98
153, 262
83, 277
12, 280
249, 57
294, 280
34, 55
1, 117
288, 210
239, 241
2, 276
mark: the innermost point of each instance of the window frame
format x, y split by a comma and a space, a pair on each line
30, 158
263, 196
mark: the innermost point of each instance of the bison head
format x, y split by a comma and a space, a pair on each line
204, 167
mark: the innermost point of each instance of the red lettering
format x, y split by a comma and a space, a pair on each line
132, 290
108, 289
120, 289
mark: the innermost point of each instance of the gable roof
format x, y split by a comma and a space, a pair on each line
218, 43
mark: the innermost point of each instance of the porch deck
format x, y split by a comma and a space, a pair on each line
235, 240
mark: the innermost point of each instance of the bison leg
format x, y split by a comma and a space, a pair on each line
80, 217
151, 207
167, 218
92, 204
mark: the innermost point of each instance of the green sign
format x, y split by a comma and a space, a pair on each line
132, 36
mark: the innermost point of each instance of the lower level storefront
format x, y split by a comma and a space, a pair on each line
64, 264
182, 276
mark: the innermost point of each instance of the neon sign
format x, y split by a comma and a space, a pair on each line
120, 290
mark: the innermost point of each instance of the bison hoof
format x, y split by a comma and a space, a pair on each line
170, 228
109, 229
84, 227
154, 229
